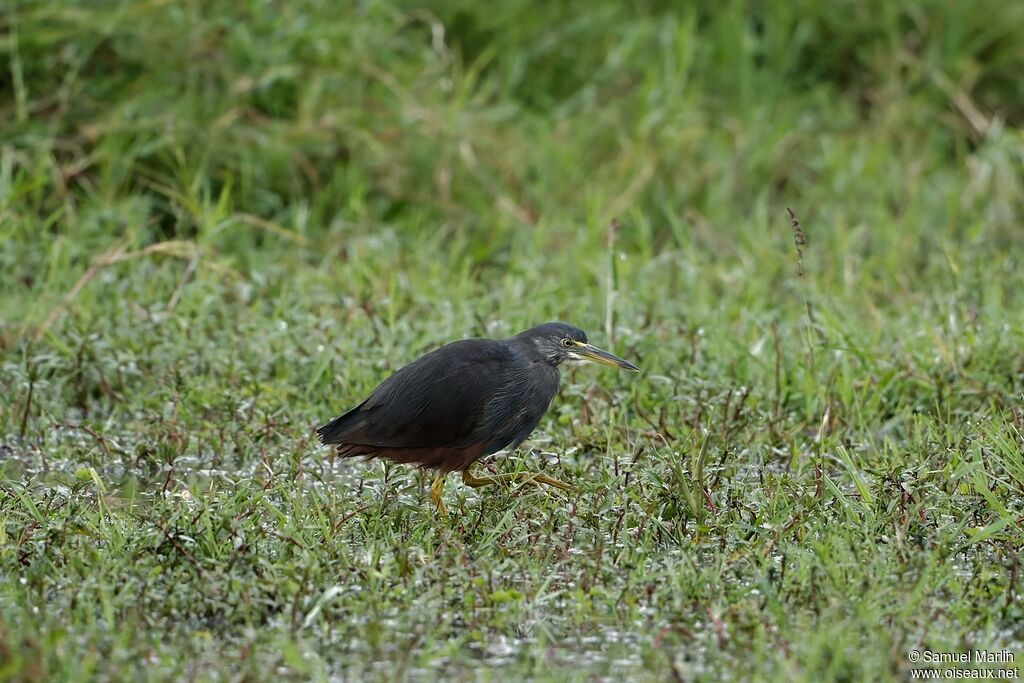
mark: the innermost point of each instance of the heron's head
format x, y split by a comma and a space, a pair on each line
559, 343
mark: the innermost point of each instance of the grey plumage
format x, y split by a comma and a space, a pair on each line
462, 401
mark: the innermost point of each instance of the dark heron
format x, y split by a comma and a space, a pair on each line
464, 401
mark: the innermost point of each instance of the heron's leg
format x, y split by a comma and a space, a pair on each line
436, 489
535, 478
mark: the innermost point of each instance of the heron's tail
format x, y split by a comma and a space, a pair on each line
341, 428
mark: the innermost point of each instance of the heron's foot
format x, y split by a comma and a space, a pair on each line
534, 478
436, 491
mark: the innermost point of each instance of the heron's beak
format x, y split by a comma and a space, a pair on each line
593, 354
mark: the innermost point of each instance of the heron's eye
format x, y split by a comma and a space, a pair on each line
567, 343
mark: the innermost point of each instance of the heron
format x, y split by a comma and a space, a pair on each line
464, 401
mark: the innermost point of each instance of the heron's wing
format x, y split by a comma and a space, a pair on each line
440, 399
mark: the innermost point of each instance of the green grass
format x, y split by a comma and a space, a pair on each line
222, 223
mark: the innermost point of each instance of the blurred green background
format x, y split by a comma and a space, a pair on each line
222, 223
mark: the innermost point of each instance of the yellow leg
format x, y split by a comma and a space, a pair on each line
436, 489
535, 478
